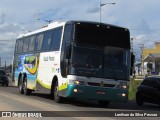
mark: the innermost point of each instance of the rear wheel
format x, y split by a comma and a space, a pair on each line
57, 98
139, 99
26, 90
6, 84
103, 102
21, 90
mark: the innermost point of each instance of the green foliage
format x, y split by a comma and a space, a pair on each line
133, 88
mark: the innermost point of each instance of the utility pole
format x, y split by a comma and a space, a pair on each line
5, 66
132, 44
103, 4
0, 61
142, 63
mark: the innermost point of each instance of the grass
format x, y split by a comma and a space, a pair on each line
133, 88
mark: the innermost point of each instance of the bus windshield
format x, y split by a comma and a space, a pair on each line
116, 63
87, 61
101, 50
110, 62
101, 35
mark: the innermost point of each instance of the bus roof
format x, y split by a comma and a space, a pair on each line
61, 23
44, 28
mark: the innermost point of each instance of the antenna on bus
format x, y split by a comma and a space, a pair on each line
49, 21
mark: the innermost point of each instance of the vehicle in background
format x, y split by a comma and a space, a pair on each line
149, 91
3, 78
74, 59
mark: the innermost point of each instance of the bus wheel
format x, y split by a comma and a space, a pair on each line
21, 90
6, 84
26, 90
103, 102
57, 98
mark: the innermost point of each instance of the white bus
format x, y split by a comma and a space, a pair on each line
74, 59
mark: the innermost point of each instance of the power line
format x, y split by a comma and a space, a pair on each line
5, 40
143, 29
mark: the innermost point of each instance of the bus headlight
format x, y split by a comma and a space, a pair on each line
122, 85
75, 90
77, 82
123, 95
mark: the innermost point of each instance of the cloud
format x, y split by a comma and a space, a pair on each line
93, 10
20, 16
2, 18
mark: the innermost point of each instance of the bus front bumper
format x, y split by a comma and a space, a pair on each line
97, 93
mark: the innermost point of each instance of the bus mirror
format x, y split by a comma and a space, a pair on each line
68, 52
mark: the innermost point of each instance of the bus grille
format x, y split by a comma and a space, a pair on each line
98, 84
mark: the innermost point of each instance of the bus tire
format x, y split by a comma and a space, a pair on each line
26, 90
6, 84
57, 98
21, 88
103, 102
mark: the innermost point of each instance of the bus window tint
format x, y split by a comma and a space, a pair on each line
20, 46
31, 43
39, 41
56, 38
47, 40
25, 44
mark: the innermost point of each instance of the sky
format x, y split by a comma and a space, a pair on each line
141, 17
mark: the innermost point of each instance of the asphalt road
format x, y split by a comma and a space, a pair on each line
11, 100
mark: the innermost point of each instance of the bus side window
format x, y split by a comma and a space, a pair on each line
47, 40
25, 44
31, 43
39, 41
56, 38
20, 46
66, 49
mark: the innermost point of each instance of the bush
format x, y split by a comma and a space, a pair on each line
133, 88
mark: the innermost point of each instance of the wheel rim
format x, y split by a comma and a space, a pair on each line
25, 87
21, 87
56, 92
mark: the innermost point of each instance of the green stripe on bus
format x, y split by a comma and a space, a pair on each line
44, 85
63, 86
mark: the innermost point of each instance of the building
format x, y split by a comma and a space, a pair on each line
151, 60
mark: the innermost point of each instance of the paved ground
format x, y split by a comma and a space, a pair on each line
11, 100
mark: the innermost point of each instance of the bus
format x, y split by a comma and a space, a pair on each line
74, 59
